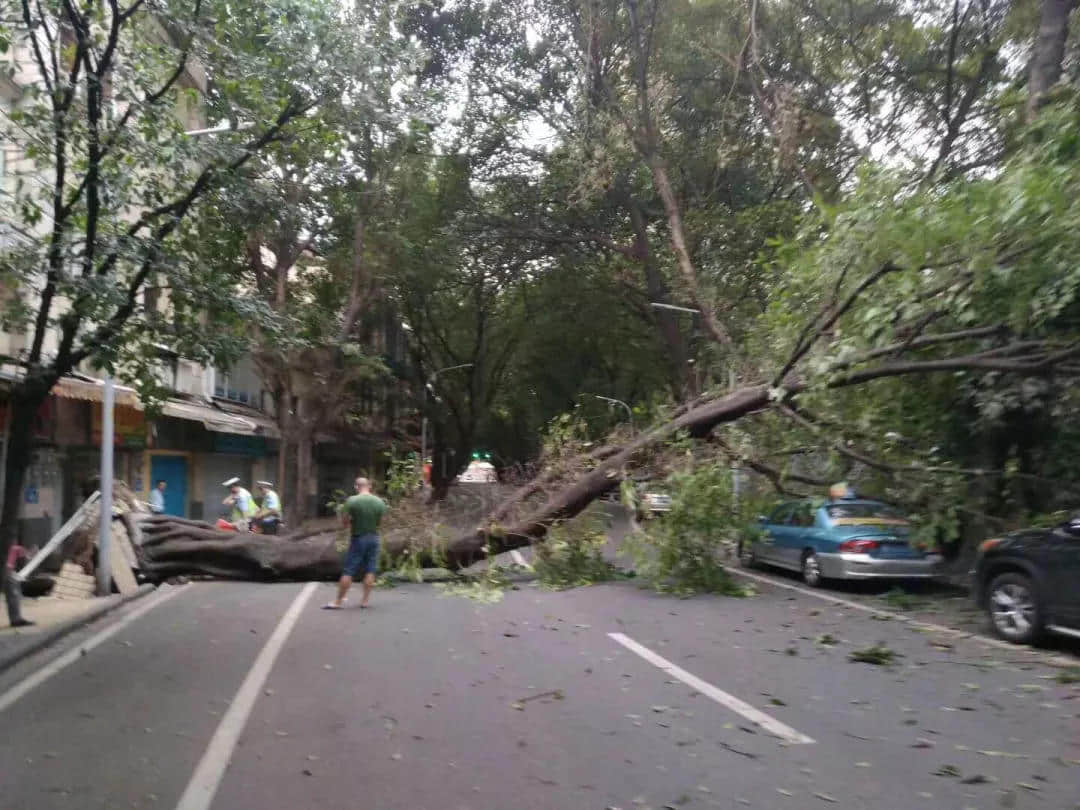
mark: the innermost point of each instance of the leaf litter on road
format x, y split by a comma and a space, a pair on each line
878, 655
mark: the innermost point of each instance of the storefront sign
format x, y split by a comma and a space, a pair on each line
129, 426
239, 445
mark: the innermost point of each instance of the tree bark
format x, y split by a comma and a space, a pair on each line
19, 450
667, 321
305, 447
171, 547
1048, 52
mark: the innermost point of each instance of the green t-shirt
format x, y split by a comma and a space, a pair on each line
365, 511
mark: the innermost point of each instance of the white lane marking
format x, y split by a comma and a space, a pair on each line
211, 768
79, 650
768, 723
1054, 660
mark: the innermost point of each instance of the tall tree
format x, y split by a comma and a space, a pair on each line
116, 186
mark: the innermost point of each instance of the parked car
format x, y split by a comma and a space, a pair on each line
478, 472
656, 501
1029, 582
842, 538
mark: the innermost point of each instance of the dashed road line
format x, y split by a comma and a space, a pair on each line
770, 724
206, 780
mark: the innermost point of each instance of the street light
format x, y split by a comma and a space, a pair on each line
104, 569
613, 401
194, 133
423, 409
658, 305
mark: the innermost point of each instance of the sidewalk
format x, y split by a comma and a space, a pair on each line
54, 618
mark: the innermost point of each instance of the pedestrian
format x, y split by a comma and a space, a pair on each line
269, 514
243, 505
157, 498
13, 588
361, 515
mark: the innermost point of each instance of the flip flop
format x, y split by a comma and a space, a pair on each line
332, 606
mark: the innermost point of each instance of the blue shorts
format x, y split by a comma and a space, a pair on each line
363, 555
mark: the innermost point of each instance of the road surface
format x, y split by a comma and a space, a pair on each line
234, 696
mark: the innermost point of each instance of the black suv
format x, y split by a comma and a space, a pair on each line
1029, 582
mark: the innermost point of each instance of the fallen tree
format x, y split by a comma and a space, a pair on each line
172, 546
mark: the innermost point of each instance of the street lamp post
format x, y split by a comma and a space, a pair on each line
194, 133
658, 305
613, 401
104, 569
423, 408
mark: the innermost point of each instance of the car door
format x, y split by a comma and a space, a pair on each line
772, 533
1061, 552
800, 525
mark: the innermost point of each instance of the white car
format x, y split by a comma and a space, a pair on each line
478, 472
656, 502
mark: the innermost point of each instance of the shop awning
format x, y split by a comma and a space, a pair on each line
265, 425
212, 419
94, 391
219, 420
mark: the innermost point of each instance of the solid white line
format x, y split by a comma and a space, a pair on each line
211, 768
1053, 660
756, 716
73, 655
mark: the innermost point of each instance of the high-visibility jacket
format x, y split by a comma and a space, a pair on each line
271, 502
243, 506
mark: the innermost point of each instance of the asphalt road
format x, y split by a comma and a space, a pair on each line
435, 702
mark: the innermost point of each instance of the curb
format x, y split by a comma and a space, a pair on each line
1049, 658
40, 641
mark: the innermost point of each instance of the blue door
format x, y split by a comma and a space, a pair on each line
173, 471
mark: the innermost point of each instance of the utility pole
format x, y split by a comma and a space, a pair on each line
104, 569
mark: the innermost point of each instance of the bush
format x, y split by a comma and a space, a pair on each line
573, 554
685, 549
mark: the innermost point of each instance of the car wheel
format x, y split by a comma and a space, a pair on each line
1013, 608
811, 569
747, 558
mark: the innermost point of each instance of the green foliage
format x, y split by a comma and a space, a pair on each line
403, 476
572, 555
134, 186
1068, 676
899, 599
684, 550
878, 655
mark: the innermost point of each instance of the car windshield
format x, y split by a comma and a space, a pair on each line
863, 511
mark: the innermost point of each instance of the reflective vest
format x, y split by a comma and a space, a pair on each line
243, 506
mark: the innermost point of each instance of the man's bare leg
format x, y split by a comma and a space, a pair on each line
369, 583
343, 588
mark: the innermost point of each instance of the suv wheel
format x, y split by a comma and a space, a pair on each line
1013, 608
811, 569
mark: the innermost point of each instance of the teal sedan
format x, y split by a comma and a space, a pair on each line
839, 539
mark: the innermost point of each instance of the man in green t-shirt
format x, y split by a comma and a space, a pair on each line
361, 514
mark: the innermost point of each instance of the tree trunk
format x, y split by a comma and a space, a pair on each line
19, 450
305, 449
667, 322
1048, 52
172, 547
